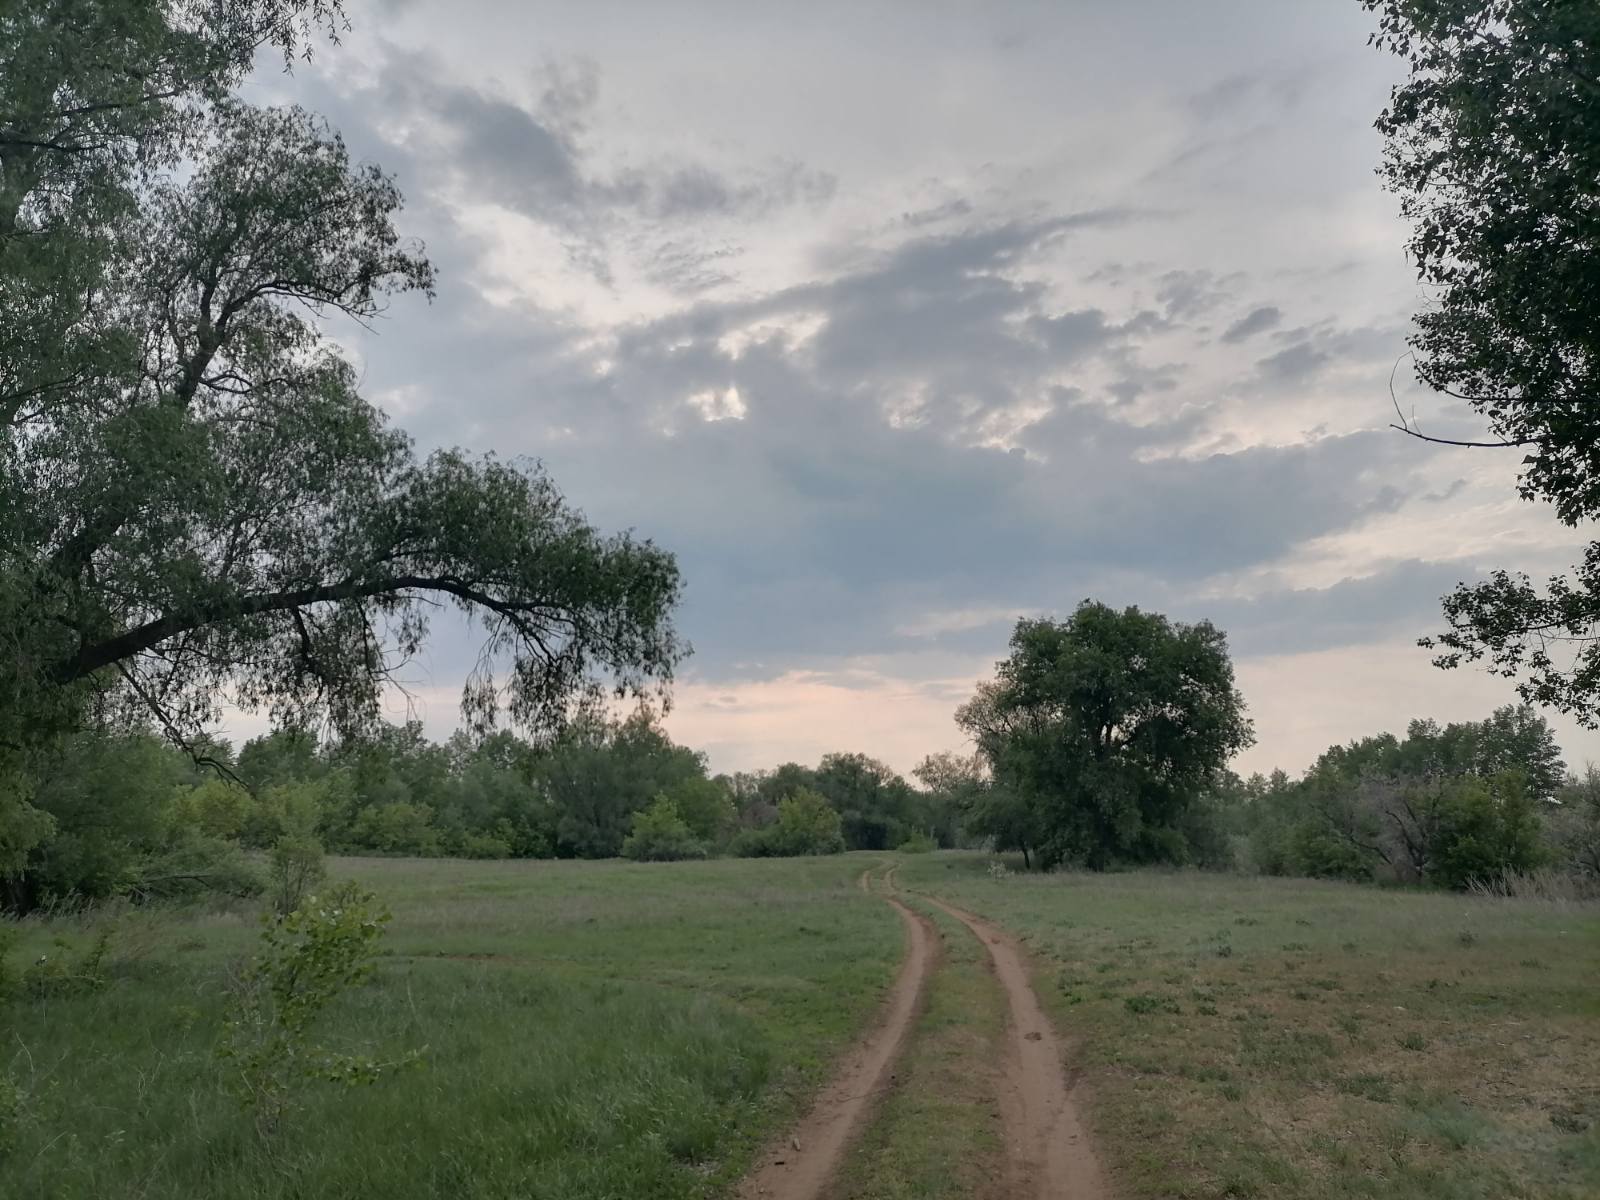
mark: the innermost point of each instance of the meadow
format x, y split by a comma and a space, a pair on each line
638, 1030
1239, 1037
591, 1030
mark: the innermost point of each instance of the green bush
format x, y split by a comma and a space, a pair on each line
66, 970
661, 835
482, 845
1489, 829
307, 961
296, 868
194, 865
806, 824
917, 843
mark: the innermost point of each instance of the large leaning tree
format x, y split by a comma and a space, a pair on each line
196, 503
1101, 730
1493, 145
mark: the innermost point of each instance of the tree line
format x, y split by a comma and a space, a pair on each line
1102, 742
127, 813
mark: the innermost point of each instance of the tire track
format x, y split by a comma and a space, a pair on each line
1050, 1154
801, 1165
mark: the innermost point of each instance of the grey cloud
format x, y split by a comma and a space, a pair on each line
1294, 362
1310, 350
813, 527
939, 212
1281, 89
534, 161
1187, 294
1257, 320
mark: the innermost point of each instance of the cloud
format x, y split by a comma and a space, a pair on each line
1257, 320
886, 376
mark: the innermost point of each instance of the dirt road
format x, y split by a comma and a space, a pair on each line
1051, 1156
800, 1166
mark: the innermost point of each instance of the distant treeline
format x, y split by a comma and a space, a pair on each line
1486, 803
132, 815
1475, 803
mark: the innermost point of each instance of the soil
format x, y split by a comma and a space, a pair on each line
1050, 1154
800, 1165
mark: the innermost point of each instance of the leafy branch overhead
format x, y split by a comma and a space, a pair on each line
1493, 146
196, 501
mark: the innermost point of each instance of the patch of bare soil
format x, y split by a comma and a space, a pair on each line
1050, 1154
800, 1165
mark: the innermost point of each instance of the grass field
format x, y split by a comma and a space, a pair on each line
625, 1030
1270, 1037
592, 1030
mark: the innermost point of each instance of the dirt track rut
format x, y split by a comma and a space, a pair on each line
1049, 1152
800, 1166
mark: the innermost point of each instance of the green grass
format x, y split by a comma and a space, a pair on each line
621, 1030
592, 1030
938, 1134
1246, 1037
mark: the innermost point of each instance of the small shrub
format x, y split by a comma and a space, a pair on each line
483, 845
1413, 1041
295, 869
306, 961
660, 835
1146, 1002
917, 843
806, 824
64, 973
998, 870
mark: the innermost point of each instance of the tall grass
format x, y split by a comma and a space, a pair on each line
592, 1030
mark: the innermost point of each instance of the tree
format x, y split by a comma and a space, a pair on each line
807, 824
1106, 726
872, 801
1493, 145
1574, 826
195, 499
953, 785
704, 806
601, 772
660, 835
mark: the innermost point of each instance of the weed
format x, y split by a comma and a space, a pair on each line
1413, 1041
307, 960
1147, 1002
64, 973
1368, 1086
296, 868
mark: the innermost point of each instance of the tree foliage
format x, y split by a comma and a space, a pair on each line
1101, 730
195, 499
1464, 803
1493, 145
660, 835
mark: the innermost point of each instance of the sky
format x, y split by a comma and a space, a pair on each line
898, 321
